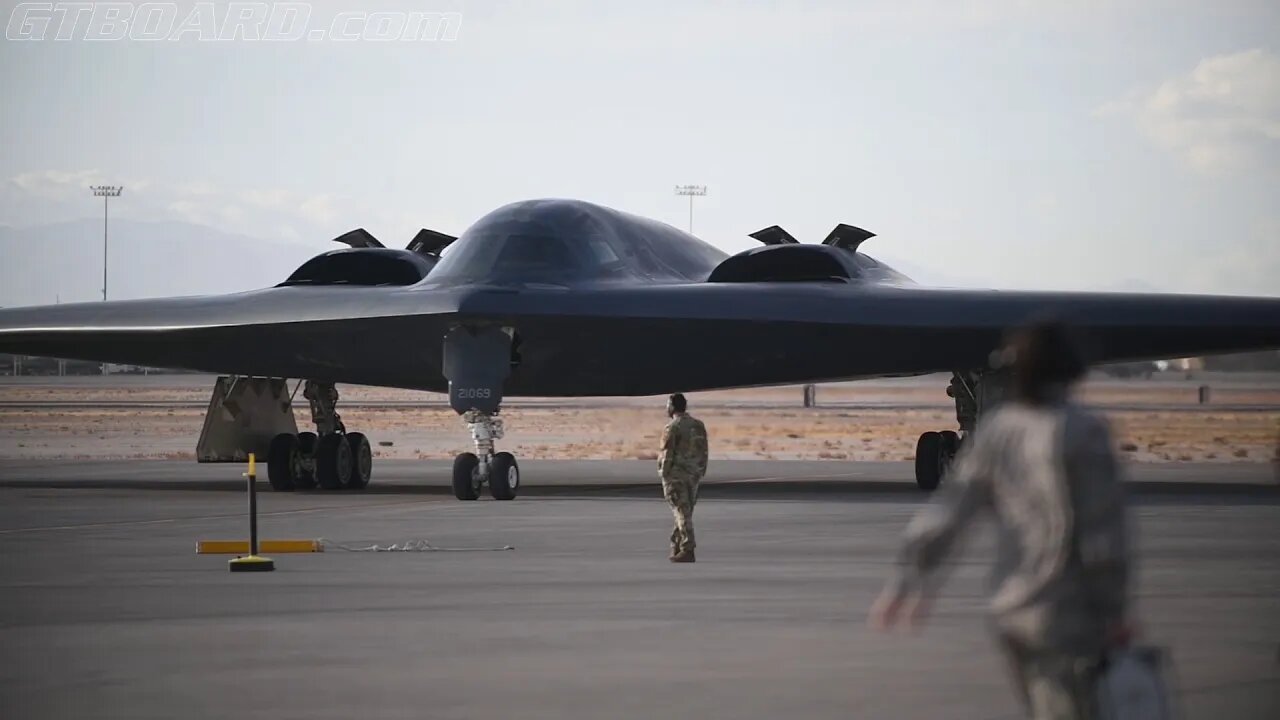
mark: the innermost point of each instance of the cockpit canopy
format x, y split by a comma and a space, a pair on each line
562, 242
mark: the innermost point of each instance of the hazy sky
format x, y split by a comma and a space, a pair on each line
1083, 144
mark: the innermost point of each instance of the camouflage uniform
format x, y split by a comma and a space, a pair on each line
682, 461
1049, 476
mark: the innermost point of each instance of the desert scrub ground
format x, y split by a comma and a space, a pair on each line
632, 432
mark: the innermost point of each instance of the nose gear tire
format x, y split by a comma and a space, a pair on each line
465, 485
504, 476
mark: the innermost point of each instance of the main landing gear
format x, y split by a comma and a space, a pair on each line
975, 393
331, 457
934, 453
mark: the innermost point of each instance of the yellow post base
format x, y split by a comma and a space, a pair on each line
240, 547
251, 563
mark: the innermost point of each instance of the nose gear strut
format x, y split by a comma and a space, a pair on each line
477, 361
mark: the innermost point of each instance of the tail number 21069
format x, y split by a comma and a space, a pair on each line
474, 393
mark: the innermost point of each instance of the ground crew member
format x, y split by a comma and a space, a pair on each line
682, 461
1045, 468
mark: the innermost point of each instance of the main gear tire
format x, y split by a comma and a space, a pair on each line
929, 461
333, 462
950, 449
504, 476
361, 461
950, 442
304, 477
280, 462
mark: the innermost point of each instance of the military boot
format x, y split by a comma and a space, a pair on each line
683, 557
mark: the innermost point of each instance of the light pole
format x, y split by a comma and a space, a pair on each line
62, 364
691, 191
106, 192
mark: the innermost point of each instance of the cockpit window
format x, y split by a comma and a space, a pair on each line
513, 251
602, 251
537, 254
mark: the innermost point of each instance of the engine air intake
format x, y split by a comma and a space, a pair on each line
786, 263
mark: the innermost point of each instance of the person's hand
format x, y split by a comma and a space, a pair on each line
893, 608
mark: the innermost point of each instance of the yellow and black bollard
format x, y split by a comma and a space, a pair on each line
252, 562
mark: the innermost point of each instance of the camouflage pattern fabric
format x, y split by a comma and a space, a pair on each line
681, 495
683, 451
1051, 480
1054, 686
682, 461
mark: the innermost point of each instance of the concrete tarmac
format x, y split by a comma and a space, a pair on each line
108, 613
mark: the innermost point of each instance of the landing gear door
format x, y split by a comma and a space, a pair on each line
244, 414
477, 361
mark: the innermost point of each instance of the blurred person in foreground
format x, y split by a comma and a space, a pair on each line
1044, 468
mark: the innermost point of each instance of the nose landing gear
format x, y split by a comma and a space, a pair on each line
499, 470
477, 361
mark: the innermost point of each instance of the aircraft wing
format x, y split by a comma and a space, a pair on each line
625, 339
351, 334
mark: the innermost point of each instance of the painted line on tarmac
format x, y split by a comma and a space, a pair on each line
632, 487
204, 518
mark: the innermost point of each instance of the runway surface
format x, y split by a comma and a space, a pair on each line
109, 613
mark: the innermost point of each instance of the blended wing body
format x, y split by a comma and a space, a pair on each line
341, 334
605, 303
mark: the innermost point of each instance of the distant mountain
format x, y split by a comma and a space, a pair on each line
42, 264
